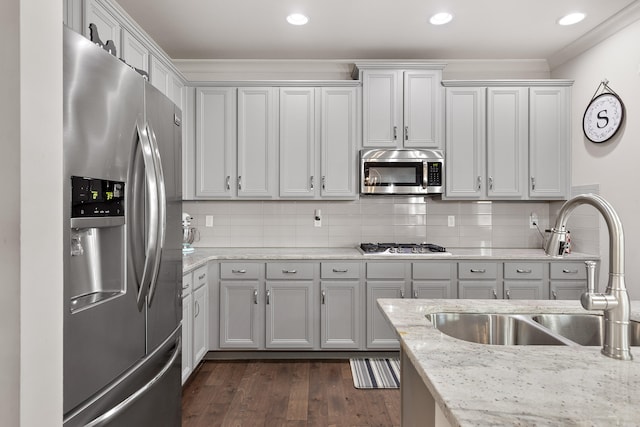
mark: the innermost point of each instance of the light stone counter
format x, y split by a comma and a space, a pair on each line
479, 385
202, 255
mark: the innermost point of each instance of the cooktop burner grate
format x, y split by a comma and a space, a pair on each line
401, 248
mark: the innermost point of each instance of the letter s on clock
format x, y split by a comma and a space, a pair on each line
603, 117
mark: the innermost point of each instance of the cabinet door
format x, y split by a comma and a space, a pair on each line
134, 52
215, 142
381, 108
433, 289
256, 142
524, 289
549, 141
340, 314
290, 314
176, 92
568, 289
200, 323
187, 336
422, 109
465, 143
338, 142
469, 289
297, 143
380, 334
507, 142
108, 26
239, 320
159, 75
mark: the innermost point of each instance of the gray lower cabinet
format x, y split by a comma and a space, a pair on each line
290, 314
524, 280
341, 316
239, 314
478, 280
568, 280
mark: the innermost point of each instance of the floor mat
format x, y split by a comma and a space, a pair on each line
375, 373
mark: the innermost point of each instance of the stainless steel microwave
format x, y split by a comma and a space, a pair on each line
401, 172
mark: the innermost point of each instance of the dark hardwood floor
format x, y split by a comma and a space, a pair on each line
284, 393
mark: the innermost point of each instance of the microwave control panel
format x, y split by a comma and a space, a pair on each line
434, 174
93, 197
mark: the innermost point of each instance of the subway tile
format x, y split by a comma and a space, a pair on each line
475, 208
481, 220
443, 208
410, 209
439, 220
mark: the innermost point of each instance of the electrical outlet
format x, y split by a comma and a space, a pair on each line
451, 221
209, 220
533, 220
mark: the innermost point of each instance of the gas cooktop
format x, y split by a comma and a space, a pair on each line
402, 249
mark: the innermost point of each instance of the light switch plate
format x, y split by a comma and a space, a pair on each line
451, 221
209, 220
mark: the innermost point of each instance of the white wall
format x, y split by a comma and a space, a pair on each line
10, 214
31, 214
613, 165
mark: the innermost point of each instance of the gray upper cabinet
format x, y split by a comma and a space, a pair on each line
507, 142
135, 53
549, 139
235, 143
401, 105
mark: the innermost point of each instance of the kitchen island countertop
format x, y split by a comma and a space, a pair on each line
478, 384
201, 255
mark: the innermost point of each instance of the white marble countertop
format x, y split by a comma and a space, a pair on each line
201, 255
481, 385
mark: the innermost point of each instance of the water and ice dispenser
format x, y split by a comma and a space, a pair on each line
97, 241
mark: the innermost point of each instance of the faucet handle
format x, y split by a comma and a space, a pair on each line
591, 276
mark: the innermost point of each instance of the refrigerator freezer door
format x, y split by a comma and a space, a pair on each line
164, 311
103, 105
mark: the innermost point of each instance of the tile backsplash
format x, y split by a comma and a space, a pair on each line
369, 219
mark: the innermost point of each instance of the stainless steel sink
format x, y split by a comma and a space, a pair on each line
584, 329
497, 329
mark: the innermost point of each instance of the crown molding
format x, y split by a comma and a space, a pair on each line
609, 27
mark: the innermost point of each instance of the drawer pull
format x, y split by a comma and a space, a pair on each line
339, 270
566, 270
523, 271
268, 297
289, 271
255, 296
242, 271
478, 270
323, 295
185, 287
202, 276
197, 307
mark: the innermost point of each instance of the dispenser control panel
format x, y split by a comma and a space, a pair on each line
93, 197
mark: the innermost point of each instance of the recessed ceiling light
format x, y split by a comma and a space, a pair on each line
297, 19
572, 18
441, 18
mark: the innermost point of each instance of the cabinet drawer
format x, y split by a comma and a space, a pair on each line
340, 270
568, 270
432, 270
240, 270
522, 270
187, 284
200, 277
385, 270
477, 270
289, 270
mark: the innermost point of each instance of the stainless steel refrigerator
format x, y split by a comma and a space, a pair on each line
122, 253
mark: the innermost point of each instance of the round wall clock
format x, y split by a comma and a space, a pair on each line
603, 117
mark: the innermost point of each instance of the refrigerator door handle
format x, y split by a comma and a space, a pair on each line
104, 418
161, 224
152, 235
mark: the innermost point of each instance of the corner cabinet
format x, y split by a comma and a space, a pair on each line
402, 104
507, 140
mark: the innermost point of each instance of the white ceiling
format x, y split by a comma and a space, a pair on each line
366, 29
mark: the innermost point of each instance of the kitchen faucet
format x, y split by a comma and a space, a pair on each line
615, 300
